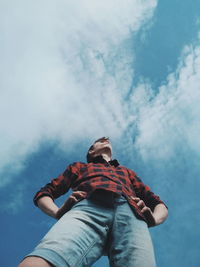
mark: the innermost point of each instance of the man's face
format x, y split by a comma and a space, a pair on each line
101, 146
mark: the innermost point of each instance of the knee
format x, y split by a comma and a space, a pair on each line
34, 262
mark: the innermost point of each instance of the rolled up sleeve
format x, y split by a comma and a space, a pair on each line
58, 186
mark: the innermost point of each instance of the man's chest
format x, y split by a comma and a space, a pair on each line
95, 171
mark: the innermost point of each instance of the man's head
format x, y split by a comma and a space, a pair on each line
101, 147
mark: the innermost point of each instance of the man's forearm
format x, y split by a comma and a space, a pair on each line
47, 205
160, 213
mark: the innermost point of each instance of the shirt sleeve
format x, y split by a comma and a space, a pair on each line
58, 186
144, 192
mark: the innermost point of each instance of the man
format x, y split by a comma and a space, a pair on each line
108, 214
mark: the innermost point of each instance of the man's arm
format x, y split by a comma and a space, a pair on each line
47, 205
158, 216
153, 208
160, 213
44, 198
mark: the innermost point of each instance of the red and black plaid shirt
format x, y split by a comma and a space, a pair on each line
100, 174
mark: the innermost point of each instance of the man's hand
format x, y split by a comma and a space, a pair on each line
146, 211
72, 200
154, 218
47, 205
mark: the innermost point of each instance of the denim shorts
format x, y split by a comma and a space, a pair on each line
93, 227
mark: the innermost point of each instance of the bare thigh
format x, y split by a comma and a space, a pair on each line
34, 262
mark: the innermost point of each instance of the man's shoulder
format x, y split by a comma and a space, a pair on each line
78, 164
76, 167
130, 171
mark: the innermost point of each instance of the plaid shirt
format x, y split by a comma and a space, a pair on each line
100, 174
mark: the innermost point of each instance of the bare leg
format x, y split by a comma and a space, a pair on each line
34, 262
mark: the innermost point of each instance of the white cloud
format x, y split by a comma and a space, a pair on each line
65, 67
171, 122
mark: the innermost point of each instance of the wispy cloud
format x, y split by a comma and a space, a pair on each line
13, 202
170, 120
65, 70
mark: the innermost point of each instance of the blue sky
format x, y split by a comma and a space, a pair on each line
71, 73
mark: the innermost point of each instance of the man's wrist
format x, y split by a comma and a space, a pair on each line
160, 213
53, 213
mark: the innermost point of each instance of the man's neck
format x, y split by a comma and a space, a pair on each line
106, 157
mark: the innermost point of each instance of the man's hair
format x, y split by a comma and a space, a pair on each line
89, 156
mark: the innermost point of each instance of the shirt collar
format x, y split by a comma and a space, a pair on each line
100, 159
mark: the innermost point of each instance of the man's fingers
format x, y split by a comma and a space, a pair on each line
141, 204
76, 196
72, 198
146, 210
136, 199
149, 216
79, 193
